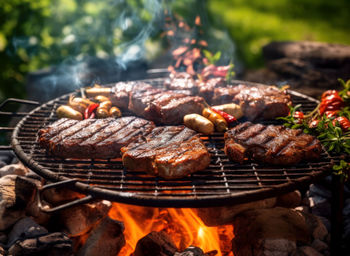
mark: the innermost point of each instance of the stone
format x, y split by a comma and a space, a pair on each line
346, 209
3, 238
280, 247
105, 239
260, 230
14, 169
215, 216
2, 251
319, 245
318, 229
326, 222
308, 251
320, 191
317, 52
289, 200
36, 213
302, 208
58, 196
78, 220
320, 207
16, 192
304, 64
25, 228
53, 244
156, 244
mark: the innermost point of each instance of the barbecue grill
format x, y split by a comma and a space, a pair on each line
222, 183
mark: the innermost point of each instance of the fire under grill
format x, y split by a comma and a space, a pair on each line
222, 183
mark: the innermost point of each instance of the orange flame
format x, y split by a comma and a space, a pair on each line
183, 226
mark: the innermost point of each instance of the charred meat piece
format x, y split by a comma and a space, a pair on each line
263, 102
206, 88
222, 95
92, 138
182, 82
272, 144
121, 92
164, 107
168, 151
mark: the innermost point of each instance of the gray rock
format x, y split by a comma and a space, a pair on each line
319, 245
16, 192
289, 200
16, 169
346, 210
319, 190
326, 222
53, 244
309, 251
25, 228
320, 207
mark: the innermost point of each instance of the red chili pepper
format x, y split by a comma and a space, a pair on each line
329, 93
229, 118
299, 116
89, 111
331, 113
344, 123
331, 102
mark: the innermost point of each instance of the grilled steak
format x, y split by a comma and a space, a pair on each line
272, 144
168, 151
121, 92
263, 102
164, 107
92, 138
182, 82
207, 88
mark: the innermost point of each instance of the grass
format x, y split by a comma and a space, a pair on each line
252, 24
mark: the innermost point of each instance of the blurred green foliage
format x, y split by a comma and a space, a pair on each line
254, 23
41, 33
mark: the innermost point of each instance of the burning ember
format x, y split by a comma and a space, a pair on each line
183, 226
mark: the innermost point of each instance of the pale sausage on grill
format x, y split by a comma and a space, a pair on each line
271, 144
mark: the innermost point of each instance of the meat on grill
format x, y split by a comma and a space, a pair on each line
263, 102
92, 138
271, 144
121, 92
168, 151
164, 107
206, 88
182, 81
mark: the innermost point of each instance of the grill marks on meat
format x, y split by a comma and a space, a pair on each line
121, 92
92, 138
168, 151
158, 105
272, 144
164, 107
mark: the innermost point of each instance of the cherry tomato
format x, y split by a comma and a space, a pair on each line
299, 116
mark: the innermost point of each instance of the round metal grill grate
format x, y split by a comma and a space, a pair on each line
222, 183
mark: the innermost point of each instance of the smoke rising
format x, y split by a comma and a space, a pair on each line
103, 41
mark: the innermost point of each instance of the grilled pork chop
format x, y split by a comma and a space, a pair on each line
92, 138
168, 151
272, 144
